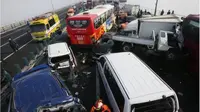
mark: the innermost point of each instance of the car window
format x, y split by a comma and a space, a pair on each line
114, 88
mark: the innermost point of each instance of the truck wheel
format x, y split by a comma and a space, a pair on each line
126, 47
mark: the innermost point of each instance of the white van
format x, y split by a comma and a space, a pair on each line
60, 53
131, 86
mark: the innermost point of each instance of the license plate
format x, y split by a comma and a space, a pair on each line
79, 37
81, 42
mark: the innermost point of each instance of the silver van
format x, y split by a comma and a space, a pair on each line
131, 86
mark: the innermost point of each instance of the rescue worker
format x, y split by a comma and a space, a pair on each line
100, 107
145, 12
123, 20
13, 45
168, 12
162, 12
70, 12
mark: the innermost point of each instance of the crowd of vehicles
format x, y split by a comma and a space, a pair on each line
131, 86
45, 26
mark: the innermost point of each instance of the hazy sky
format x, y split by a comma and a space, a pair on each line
16, 10
182, 7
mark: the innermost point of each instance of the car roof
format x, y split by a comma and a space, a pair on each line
58, 49
138, 81
38, 88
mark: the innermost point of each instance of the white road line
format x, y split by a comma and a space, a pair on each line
14, 39
19, 49
13, 32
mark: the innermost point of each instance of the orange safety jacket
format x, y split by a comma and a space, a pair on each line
104, 108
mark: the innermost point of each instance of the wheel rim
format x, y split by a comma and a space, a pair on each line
126, 48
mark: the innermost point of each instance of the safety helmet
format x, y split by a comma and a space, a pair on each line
98, 104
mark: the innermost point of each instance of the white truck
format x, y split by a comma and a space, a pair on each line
155, 34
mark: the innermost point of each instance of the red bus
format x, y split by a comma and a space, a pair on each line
88, 27
190, 31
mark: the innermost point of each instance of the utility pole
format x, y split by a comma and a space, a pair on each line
155, 8
52, 6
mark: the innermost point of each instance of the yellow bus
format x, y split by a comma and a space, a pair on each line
45, 26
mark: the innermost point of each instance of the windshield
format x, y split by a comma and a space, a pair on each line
37, 28
60, 59
163, 105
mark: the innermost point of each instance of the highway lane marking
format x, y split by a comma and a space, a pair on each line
18, 50
14, 39
13, 32
24, 46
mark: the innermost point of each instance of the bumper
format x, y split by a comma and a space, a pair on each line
40, 38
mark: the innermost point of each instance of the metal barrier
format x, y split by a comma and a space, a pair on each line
22, 23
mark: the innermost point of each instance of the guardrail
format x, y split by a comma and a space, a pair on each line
22, 23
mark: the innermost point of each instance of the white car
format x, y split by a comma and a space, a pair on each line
131, 86
61, 54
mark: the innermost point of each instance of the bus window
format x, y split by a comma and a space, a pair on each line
114, 88
97, 23
51, 22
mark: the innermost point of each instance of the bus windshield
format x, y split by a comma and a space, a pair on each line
37, 28
78, 23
